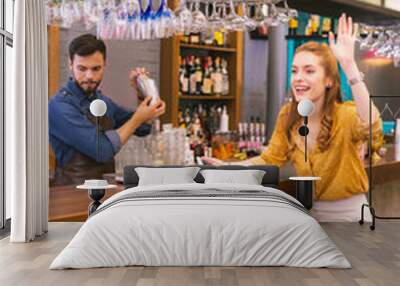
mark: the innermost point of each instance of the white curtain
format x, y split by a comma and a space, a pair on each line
27, 124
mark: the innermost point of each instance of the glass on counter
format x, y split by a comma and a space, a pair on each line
159, 148
224, 145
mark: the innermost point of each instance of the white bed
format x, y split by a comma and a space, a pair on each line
248, 226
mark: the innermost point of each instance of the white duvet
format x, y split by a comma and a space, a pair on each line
200, 231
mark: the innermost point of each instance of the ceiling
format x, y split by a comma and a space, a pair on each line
359, 11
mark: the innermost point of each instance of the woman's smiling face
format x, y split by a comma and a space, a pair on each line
308, 78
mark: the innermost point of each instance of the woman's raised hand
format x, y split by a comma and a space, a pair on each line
343, 47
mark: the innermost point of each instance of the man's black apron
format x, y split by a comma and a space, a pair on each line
82, 167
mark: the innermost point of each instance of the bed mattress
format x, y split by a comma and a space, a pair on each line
201, 225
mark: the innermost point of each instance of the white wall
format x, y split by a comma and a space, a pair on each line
254, 96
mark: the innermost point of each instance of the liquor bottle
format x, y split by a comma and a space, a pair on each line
241, 141
207, 81
213, 120
225, 77
181, 120
211, 69
208, 38
195, 38
308, 30
314, 25
187, 119
224, 123
252, 129
183, 78
199, 75
326, 26
219, 38
293, 25
192, 76
185, 38
258, 130
217, 77
263, 134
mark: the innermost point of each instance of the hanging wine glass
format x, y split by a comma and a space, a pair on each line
107, 21
183, 18
168, 20
234, 21
381, 41
215, 22
285, 13
367, 42
271, 15
91, 11
199, 20
259, 15
67, 14
249, 22
133, 15
121, 22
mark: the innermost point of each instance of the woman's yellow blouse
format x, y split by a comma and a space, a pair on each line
339, 166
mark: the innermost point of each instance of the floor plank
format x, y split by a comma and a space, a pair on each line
375, 257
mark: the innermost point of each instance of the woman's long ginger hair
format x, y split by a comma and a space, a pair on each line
332, 94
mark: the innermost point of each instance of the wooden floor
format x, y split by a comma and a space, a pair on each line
375, 257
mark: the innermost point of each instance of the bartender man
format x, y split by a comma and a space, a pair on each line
72, 128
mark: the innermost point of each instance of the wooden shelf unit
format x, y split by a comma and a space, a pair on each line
206, 97
171, 50
208, 48
169, 74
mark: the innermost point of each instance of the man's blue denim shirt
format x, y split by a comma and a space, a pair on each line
71, 131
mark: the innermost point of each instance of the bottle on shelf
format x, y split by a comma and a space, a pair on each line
251, 137
293, 25
187, 119
195, 38
183, 77
199, 76
220, 38
224, 123
308, 30
315, 25
326, 26
185, 38
192, 76
207, 81
252, 129
181, 119
207, 38
217, 77
225, 77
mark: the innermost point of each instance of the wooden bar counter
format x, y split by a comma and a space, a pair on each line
66, 203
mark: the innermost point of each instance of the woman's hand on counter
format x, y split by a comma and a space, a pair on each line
213, 161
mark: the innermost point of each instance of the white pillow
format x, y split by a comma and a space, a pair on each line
164, 176
248, 177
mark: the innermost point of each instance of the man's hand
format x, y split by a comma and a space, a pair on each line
146, 112
133, 80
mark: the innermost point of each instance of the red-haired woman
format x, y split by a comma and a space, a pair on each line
337, 130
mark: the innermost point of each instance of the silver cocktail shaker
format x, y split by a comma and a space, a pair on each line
147, 86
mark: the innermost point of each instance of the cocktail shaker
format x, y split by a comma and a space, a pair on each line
147, 87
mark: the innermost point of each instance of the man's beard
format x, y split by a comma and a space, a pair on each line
88, 91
